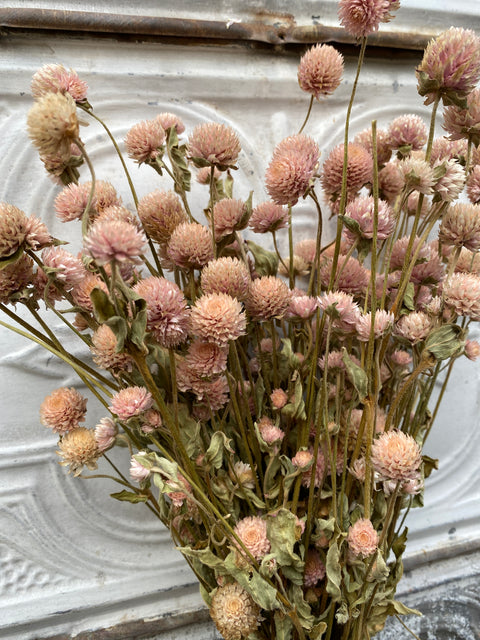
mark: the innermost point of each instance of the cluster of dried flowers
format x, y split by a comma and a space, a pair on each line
274, 407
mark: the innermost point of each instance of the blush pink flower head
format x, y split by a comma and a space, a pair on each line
362, 17
69, 269
14, 277
359, 169
342, 308
306, 250
362, 538
473, 185
461, 292
206, 359
229, 215
384, 150
167, 120
396, 456
292, 168
52, 124
408, 131
382, 324
390, 181
268, 298
460, 226
63, 410
252, 531
320, 70
314, 569
451, 182
215, 143
361, 210
226, 275
218, 318
190, 246
161, 212
464, 123
117, 240
145, 141
352, 277
130, 402
414, 326
105, 434
54, 78
13, 229
268, 216
104, 350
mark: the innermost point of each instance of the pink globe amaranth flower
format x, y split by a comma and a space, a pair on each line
473, 185
472, 350
78, 448
292, 169
270, 434
382, 324
300, 267
414, 326
390, 182
268, 298
451, 181
69, 269
409, 131
226, 275
301, 307
306, 250
314, 569
218, 318
362, 538
352, 276
464, 123
215, 144
229, 215
213, 394
358, 469
399, 252
54, 78
138, 473
63, 410
190, 246
105, 195
396, 456
320, 470
401, 358
168, 317
460, 226
105, 434
81, 291
161, 212
234, 612
37, 236
278, 398
461, 292
118, 212
359, 169
468, 262
445, 149
362, 17
52, 124
335, 361
206, 359
361, 210
203, 175
117, 240
104, 350
418, 175
71, 202
384, 151
131, 401
320, 70
302, 459
168, 120
13, 229
145, 141
268, 217
252, 531
56, 163
450, 67
14, 278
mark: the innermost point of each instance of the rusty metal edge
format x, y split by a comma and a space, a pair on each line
283, 32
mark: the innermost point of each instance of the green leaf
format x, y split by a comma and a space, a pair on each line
283, 626
401, 609
119, 327
214, 454
318, 630
263, 593
266, 262
296, 409
205, 556
400, 543
139, 327
228, 185
102, 306
129, 496
351, 224
4, 262
445, 342
429, 464
409, 297
334, 571
356, 375
302, 607
380, 571
342, 614
282, 533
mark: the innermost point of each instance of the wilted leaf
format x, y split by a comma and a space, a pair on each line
356, 375
334, 571
266, 262
445, 342
129, 496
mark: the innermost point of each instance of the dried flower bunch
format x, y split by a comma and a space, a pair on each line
274, 406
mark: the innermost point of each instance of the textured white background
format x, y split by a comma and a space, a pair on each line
70, 557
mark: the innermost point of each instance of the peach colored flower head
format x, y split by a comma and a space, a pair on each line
414, 326
278, 398
365, 140
243, 474
52, 123
37, 236
54, 78
105, 433
131, 401
203, 175
229, 216
409, 131
218, 318
268, 298
401, 358
382, 324
320, 471
461, 292
362, 538
206, 359
320, 70
473, 185
450, 65
117, 240
472, 350
214, 143
417, 174
301, 307
464, 123
234, 612
168, 317
451, 182
268, 217
300, 267
306, 250
252, 531
71, 202
314, 569
226, 275
460, 226
269, 432
15, 277
445, 149
168, 120
138, 473
390, 181
352, 276
13, 229
69, 269
161, 212
190, 246
358, 469
399, 252
104, 350
118, 212
468, 262
105, 195
292, 168
82, 290
396, 456
302, 459
362, 17
359, 169
145, 141
78, 448
56, 163
361, 210
63, 410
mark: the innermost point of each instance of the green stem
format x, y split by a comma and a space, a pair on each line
308, 114
86, 213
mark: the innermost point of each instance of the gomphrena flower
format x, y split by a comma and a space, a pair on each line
229, 215
445, 149
104, 350
161, 212
306, 249
190, 246
234, 612
292, 168
314, 569
473, 185
382, 324
14, 278
279, 398
206, 359
105, 434
168, 316
145, 141
54, 78
78, 448
464, 123
116, 240
359, 169
119, 212
268, 298
168, 120
362, 17
13, 229
351, 276
214, 144
252, 531
52, 123
138, 473
342, 310
301, 307
218, 318
461, 292
37, 236
450, 67
361, 210
390, 181
362, 538
320, 70
460, 226
451, 181
384, 150
417, 174
408, 131
69, 269
226, 275
468, 262
396, 456
414, 326
81, 291
472, 350
105, 195
130, 402
63, 410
